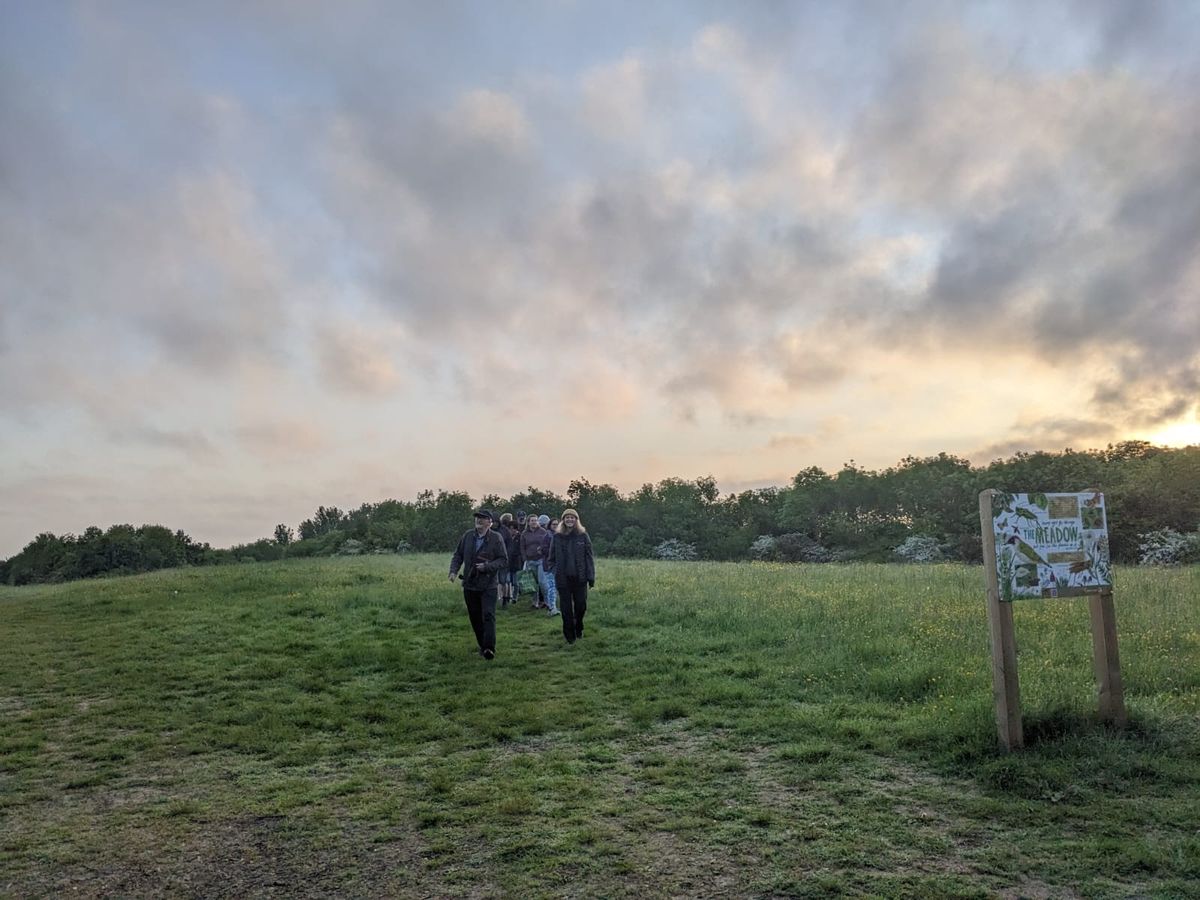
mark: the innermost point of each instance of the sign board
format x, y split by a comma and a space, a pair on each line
1047, 545
1050, 545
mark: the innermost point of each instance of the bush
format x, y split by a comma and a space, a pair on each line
726, 542
632, 542
1167, 547
765, 548
405, 547
968, 548
323, 545
800, 548
920, 548
673, 548
350, 547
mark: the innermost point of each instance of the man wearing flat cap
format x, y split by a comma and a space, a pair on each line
481, 555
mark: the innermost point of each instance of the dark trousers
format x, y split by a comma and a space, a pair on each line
481, 607
572, 603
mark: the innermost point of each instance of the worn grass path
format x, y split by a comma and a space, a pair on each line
323, 727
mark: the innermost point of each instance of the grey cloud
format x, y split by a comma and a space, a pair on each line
1069, 209
200, 341
1159, 37
192, 444
118, 231
812, 368
985, 264
1145, 394
465, 216
1051, 434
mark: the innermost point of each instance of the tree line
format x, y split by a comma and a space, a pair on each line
927, 505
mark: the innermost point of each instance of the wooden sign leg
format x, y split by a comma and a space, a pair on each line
1005, 688
1106, 660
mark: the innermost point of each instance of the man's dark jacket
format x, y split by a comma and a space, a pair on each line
492, 553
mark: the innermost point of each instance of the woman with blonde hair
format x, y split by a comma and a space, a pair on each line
574, 572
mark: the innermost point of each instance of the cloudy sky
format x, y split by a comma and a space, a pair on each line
259, 256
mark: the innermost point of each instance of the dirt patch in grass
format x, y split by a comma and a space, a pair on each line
1030, 889
244, 857
668, 866
86, 703
13, 706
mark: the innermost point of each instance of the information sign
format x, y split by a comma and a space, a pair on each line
1047, 545
1051, 545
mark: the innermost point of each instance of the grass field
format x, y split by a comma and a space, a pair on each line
325, 727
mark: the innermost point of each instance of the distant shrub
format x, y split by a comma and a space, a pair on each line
322, 545
632, 542
265, 550
765, 548
1167, 547
968, 548
920, 548
350, 547
405, 547
673, 548
800, 548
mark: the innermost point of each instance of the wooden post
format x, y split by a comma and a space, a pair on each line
1005, 687
1106, 660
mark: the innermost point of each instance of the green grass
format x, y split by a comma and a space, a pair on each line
324, 727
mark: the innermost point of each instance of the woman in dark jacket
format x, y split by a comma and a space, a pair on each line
512, 543
574, 572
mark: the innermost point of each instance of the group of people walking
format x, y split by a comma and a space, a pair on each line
557, 551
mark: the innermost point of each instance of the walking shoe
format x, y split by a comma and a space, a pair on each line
553, 612
489, 653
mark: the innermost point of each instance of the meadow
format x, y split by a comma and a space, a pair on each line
325, 727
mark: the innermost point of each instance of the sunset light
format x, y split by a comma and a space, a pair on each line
1184, 433
256, 258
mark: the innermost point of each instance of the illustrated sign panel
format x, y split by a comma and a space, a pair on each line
1051, 545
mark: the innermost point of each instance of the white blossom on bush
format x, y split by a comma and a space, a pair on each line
673, 548
800, 548
1167, 547
920, 548
764, 548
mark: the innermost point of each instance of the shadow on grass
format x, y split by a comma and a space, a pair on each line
1067, 752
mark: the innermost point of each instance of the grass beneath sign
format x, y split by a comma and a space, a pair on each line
324, 727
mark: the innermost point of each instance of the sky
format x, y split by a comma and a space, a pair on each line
263, 255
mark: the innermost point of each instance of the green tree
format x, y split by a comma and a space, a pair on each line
535, 500
601, 508
441, 520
